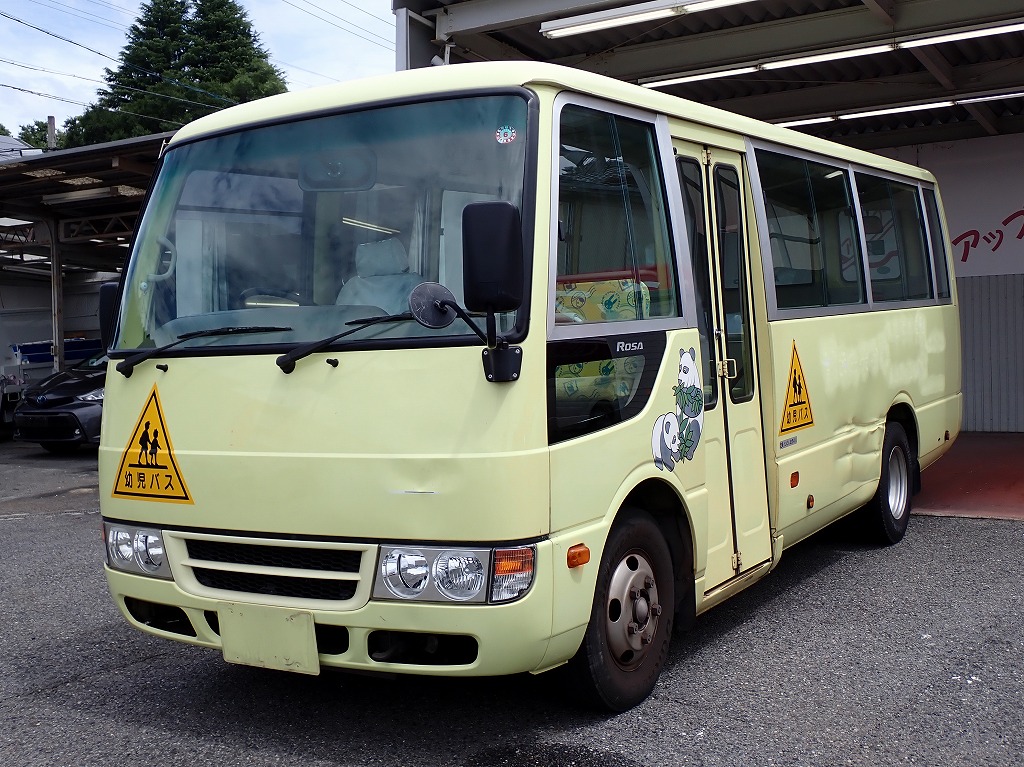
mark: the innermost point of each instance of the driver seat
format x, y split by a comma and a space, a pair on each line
382, 277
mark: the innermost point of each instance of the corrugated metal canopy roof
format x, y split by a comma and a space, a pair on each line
938, 91
91, 196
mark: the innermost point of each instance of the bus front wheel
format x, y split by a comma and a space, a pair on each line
626, 642
889, 511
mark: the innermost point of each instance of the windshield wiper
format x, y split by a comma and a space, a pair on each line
126, 366
287, 361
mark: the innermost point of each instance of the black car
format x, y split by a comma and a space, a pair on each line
63, 412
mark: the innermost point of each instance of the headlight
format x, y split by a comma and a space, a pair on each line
138, 550
96, 395
405, 573
441, 574
459, 575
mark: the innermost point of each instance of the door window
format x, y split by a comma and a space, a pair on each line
614, 252
733, 277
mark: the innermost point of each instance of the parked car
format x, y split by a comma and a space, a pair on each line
63, 412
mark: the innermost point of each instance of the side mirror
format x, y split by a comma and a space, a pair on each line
492, 254
108, 312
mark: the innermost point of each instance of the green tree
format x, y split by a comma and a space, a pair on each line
4, 131
225, 55
183, 59
34, 134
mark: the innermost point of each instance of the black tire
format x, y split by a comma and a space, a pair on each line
888, 513
627, 640
60, 448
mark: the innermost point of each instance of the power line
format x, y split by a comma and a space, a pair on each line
116, 61
389, 22
103, 82
103, 3
387, 46
82, 104
84, 15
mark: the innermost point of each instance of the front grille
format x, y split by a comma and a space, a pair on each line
276, 556
276, 585
44, 428
303, 574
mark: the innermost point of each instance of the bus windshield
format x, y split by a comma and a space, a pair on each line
301, 227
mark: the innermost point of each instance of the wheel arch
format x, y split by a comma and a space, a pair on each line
669, 511
902, 412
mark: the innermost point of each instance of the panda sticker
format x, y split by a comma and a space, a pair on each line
676, 434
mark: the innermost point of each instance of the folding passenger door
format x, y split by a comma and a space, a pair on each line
714, 195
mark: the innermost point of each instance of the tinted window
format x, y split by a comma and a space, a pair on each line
938, 239
894, 230
816, 255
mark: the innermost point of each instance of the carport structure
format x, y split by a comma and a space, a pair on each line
72, 211
871, 73
937, 83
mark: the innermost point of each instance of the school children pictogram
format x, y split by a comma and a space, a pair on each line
796, 414
148, 470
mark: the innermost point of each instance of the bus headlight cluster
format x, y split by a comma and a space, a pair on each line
138, 550
438, 574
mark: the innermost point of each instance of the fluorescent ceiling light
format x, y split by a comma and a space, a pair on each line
368, 225
630, 14
992, 97
660, 83
817, 58
807, 121
81, 195
964, 35
897, 110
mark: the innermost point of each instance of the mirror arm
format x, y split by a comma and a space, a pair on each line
487, 339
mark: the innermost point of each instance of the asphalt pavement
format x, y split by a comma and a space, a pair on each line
847, 654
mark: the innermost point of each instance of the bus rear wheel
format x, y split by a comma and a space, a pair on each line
888, 513
627, 640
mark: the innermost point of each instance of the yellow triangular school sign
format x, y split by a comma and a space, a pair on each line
148, 470
797, 412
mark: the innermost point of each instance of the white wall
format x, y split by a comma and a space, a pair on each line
982, 187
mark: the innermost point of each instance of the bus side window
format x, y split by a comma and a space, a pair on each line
695, 216
938, 240
816, 254
894, 228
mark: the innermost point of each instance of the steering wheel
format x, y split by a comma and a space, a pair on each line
291, 295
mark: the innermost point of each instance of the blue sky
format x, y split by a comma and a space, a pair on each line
314, 42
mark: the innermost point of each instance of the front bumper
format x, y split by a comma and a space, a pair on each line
69, 425
379, 636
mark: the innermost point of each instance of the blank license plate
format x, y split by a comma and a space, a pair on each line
268, 637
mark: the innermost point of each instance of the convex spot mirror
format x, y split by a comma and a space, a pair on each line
427, 307
492, 252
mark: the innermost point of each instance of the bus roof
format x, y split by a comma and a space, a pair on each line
481, 76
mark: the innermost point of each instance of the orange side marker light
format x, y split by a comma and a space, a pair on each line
577, 556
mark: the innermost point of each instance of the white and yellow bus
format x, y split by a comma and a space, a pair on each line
487, 369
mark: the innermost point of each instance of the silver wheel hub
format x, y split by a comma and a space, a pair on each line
632, 611
899, 483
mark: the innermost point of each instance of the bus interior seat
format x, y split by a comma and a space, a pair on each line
382, 277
